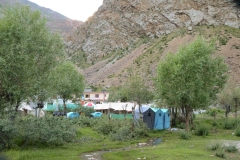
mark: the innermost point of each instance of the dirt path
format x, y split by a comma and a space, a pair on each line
97, 155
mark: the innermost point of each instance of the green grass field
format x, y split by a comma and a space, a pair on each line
172, 146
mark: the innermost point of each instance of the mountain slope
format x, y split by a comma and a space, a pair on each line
55, 21
148, 54
119, 23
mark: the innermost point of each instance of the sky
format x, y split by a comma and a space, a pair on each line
73, 9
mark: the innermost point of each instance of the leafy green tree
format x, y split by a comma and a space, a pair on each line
136, 90
28, 51
229, 96
191, 78
68, 82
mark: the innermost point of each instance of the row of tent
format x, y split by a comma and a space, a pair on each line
154, 118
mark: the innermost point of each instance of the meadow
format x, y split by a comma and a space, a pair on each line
221, 141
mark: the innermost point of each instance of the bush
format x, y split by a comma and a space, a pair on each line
84, 121
140, 130
123, 134
103, 126
47, 131
7, 131
230, 124
202, 130
231, 148
220, 153
214, 147
185, 135
237, 132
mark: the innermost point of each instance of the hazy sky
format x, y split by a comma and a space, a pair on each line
74, 9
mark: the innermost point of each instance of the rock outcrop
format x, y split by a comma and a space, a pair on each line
118, 23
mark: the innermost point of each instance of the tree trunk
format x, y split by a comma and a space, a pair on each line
140, 112
188, 117
64, 105
236, 105
17, 105
133, 112
227, 107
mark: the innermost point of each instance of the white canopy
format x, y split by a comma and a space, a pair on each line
23, 106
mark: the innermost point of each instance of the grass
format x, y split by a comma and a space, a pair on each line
172, 146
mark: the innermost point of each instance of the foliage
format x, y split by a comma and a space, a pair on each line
120, 130
213, 112
6, 132
185, 135
231, 148
29, 131
237, 132
28, 51
214, 147
230, 123
202, 130
86, 111
220, 153
68, 82
122, 134
230, 91
191, 78
136, 90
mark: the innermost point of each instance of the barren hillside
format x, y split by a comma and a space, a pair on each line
144, 59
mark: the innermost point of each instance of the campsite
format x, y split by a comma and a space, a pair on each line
138, 80
219, 141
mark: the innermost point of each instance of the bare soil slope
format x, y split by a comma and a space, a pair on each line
144, 59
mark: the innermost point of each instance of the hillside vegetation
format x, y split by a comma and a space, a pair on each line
143, 56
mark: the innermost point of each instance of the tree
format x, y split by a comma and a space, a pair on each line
28, 51
68, 82
229, 96
191, 78
136, 90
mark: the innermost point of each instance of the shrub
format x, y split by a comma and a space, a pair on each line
141, 130
185, 135
229, 124
7, 131
103, 126
231, 148
237, 132
220, 153
202, 130
214, 147
123, 134
47, 131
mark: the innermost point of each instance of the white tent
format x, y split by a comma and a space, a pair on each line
23, 106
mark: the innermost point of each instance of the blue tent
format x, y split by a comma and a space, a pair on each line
158, 122
166, 118
96, 114
73, 115
153, 117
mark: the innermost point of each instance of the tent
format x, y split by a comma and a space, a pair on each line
166, 118
158, 122
89, 104
24, 106
149, 118
142, 109
73, 115
96, 114
156, 118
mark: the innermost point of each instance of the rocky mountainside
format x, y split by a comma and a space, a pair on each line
126, 36
55, 21
118, 23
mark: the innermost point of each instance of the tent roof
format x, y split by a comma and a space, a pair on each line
164, 110
24, 105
